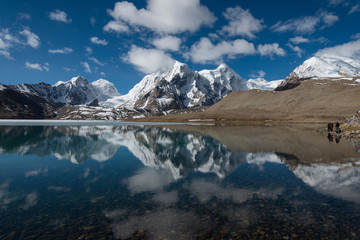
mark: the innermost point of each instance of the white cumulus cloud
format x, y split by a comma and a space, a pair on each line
24, 16
64, 50
116, 26
306, 24
88, 50
354, 9
355, 36
241, 23
67, 69
7, 41
86, 66
296, 49
163, 16
96, 40
37, 66
149, 60
32, 39
59, 16
270, 50
299, 39
46, 67
95, 60
205, 51
92, 21
350, 49
328, 18
167, 43
336, 2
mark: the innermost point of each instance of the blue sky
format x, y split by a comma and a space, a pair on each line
122, 41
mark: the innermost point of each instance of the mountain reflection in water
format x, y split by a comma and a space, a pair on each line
191, 182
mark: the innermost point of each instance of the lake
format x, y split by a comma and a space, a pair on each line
177, 182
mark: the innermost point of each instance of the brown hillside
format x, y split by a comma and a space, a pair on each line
311, 101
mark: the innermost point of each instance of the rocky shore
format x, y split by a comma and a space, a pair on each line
349, 131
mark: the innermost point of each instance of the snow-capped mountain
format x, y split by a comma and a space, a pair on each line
76, 91
180, 88
42, 100
43, 90
322, 67
262, 84
33, 101
328, 66
104, 89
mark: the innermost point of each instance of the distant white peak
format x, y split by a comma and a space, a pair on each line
102, 83
262, 84
223, 66
179, 68
105, 88
328, 66
79, 80
58, 83
2, 87
179, 65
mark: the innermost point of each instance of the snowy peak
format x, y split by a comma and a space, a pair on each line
223, 66
78, 91
78, 81
322, 67
224, 76
180, 88
179, 70
262, 84
328, 66
105, 89
75, 81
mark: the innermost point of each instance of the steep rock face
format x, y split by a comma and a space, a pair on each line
180, 88
320, 67
42, 90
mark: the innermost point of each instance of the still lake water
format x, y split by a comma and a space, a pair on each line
177, 182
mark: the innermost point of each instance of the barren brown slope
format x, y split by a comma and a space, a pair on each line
311, 101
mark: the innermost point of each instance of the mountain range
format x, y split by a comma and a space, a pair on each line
159, 93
